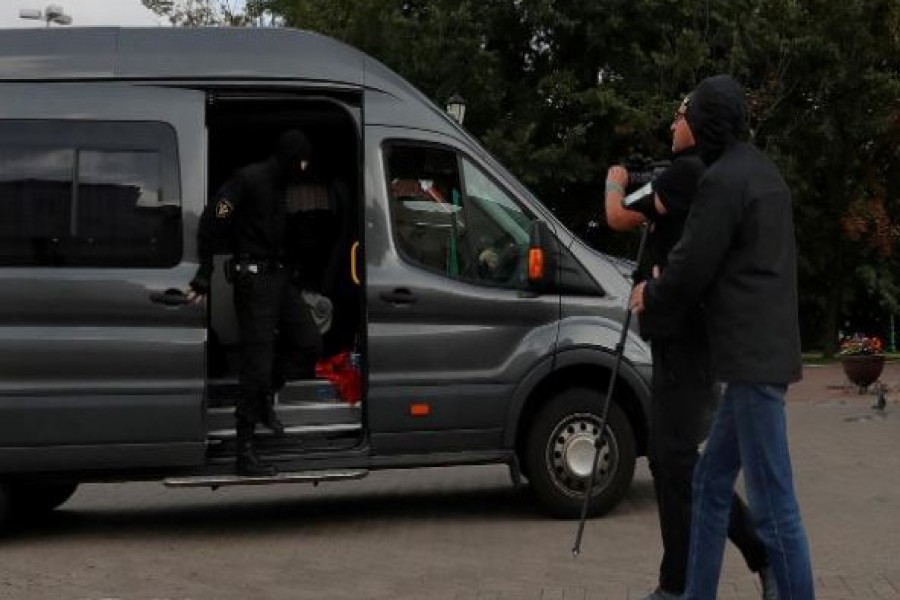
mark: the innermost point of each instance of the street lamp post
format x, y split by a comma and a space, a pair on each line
53, 13
456, 106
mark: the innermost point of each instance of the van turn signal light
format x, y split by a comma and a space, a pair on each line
535, 264
419, 409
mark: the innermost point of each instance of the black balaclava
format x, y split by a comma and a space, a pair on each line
293, 147
717, 115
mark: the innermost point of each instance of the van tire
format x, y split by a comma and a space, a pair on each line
560, 448
35, 499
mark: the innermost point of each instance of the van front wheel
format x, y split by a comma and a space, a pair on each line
560, 451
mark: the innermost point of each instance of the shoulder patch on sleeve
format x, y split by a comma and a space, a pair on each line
224, 208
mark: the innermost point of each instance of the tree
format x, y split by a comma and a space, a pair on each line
561, 90
827, 111
206, 13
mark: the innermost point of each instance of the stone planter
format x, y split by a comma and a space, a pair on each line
863, 370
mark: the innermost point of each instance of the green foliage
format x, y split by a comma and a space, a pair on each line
561, 90
199, 13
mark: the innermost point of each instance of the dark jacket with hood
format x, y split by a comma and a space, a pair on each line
737, 255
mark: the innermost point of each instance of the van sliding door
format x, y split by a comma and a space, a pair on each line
100, 191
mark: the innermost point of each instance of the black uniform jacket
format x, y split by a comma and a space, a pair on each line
246, 218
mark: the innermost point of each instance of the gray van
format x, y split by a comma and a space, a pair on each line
111, 141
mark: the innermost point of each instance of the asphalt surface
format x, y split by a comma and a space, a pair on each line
458, 533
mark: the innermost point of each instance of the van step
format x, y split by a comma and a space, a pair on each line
225, 392
293, 415
215, 481
290, 430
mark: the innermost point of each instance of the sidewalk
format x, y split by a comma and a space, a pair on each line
460, 533
846, 458
829, 380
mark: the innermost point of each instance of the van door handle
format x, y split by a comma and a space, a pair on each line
398, 296
170, 297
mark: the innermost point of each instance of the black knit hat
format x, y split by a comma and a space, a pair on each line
293, 146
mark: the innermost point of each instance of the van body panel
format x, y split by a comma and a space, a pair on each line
635, 375
174, 52
101, 462
391, 103
524, 389
597, 321
88, 358
613, 275
182, 52
28, 54
459, 347
591, 326
419, 446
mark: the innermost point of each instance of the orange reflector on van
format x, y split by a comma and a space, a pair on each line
420, 409
535, 264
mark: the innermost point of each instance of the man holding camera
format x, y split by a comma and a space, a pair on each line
737, 256
685, 393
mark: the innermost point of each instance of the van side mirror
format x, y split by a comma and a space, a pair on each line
542, 257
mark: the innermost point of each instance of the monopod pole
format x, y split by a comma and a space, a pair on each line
599, 443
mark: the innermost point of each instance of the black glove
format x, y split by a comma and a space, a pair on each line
200, 282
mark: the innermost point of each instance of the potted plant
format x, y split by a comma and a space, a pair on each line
862, 359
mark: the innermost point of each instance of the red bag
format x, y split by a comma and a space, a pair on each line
344, 372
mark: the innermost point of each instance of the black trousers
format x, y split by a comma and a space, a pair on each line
279, 339
684, 400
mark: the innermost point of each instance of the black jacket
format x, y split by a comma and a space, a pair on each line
247, 218
737, 254
676, 187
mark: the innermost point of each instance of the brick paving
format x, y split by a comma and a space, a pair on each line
847, 468
459, 533
846, 457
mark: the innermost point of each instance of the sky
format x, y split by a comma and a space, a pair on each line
84, 13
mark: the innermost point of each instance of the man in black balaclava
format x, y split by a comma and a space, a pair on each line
737, 256
684, 393
249, 218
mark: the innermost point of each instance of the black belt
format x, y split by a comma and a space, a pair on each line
254, 267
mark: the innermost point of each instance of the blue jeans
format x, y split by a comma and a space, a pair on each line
749, 433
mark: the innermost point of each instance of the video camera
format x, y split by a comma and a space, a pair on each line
641, 173
642, 170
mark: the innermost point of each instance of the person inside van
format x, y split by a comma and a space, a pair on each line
684, 394
252, 217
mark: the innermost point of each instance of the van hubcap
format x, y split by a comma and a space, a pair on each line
570, 454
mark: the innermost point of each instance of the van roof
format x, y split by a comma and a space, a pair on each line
175, 53
245, 54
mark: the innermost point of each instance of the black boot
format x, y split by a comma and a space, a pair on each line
248, 464
270, 419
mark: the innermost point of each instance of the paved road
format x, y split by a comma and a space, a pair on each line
461, 533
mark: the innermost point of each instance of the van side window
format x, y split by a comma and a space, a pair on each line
88, 194
459, 224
